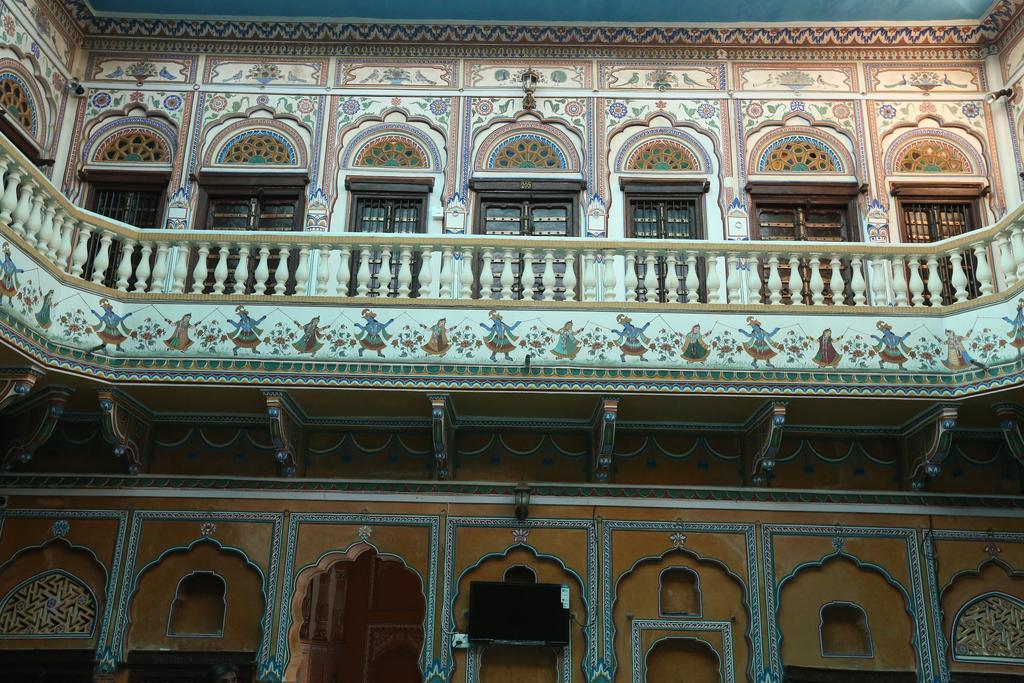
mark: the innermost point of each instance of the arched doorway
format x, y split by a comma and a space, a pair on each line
683, 659
362, 622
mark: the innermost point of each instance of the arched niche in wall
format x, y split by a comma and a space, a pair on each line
357, 615
256, 143
199, 606
27, 101
690, 659
679, 592
841, 579
391, 157
53, 591
843, 630
513, 663
677, 156
983, 613
158, 586
710, 586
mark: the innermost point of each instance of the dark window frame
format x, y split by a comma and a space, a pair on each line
23, 142
388, 190
213, 186
491, 192
667, 190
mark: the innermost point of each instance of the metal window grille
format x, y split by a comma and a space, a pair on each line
666, 219
931, 221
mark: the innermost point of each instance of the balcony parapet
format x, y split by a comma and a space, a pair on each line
911, 319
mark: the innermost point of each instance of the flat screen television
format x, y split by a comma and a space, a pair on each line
519, 612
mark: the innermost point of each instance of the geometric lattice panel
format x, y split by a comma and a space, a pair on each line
799, 154
53, 604
392, 151
134, 145
662, 155
932, 156
990, 629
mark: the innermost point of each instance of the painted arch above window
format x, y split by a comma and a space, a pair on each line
661, 154
392, 151
799, 154
990, 628
259, 147
931, 155
16, 99
53, 604
527, 151
133, 145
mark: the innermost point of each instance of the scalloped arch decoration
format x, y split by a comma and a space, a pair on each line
16, 99
527, 151
661, 154
392, 151
133, 145
53, 604
931, 155
259, 147
799, 154
990, 628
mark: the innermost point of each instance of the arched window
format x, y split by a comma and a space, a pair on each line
990, 628
16, 100
392, 151
843, 630
133, 145
520, 573
680, 592
799, 154
199, 606
54, 604
527, 151
670, 657
932, 156
662, 155
258, 147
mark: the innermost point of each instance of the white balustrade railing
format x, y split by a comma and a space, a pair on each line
105, 253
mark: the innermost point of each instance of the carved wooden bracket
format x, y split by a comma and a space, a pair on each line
602, 448
286, 431
1011, 424
442, 429
38, 417
15, 383
125, 425
762, 438
928, 441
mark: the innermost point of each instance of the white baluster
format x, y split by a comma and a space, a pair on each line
959, 278
201, 269
160, 268
46, 229
752, 280
796, 282
528, 278
732, 278
323, 270
982, 270
631, 282
281, 272
385, 276
426, 272
1006, 262
34, 223
836, 283
651, 277
124, 266
713, 281
548, 279
241, 274
609, 283
67, 235
672, 294
857, 283
817, 284
9, 201
54, 241
879, 291
302, 272
1016, 242
916, 283
262, 273
899, 281
363, 273
102, 260
81, 253
344, 274
24, 207
507, 278
220, 271
487, 274
466, 277
142, 270
5, 162
179, 270
569, 277
447, 278
692, 279
934, 282
589, 276
774, 281
404, 272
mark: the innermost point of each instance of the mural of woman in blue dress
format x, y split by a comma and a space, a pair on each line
310, 341
632, 340
1016, 335
567, 346
891, 347
45, 309
760, 347
499, 337
373, 335
111, 328
247, 331
8, 276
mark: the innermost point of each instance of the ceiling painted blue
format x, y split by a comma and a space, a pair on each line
575, 11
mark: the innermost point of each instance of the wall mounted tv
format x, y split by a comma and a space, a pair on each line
519, 612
